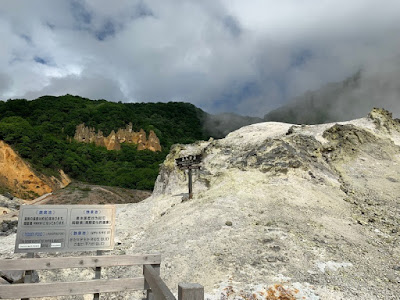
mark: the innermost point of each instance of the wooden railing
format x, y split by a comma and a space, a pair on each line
151, 281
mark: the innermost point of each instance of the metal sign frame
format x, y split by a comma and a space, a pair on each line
65, 228
189, 163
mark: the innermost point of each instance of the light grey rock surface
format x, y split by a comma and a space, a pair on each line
9, 214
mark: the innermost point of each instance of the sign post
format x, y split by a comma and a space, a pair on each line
63, 228
189, 163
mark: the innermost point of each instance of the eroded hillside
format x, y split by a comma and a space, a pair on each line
21, 180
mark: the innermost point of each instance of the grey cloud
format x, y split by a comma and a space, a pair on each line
26, 38
376, 89
142, 10
352, 98
93, 87
232, 24
80, 13
5, 83
103, 24
219, 55
40, 60
108, 29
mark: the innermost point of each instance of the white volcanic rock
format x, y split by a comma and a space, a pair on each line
310, 211
315, 208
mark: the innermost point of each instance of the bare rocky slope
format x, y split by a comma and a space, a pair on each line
279, 212
20, 179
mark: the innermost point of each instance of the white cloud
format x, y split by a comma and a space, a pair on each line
95, 87
227, 55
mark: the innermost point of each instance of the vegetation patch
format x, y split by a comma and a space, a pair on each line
41, 132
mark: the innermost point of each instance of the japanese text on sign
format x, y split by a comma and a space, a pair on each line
49, 228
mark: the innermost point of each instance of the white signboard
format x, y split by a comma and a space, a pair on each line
62, 228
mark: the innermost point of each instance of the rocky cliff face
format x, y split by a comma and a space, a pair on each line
18, 177
114, 140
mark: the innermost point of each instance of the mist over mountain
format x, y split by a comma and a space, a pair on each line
220, 125
351, 98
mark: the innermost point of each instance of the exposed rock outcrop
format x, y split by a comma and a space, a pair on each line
19, 178
315, 209
9, 209
114, 140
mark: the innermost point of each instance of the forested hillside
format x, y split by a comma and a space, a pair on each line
41, 130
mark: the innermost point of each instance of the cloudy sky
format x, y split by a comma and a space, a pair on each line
240, 56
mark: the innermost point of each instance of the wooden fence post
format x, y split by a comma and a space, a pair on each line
28, 273
190, 184
97, 275
190, 291
150, 281
150, 294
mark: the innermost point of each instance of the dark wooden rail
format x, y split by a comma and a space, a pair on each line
157, 286
151, 281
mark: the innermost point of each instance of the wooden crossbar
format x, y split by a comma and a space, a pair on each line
78, 262
157, 285
151, 281
32, 290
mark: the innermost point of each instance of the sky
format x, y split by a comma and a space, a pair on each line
246, 57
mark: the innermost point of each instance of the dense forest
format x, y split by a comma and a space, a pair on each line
40, 131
